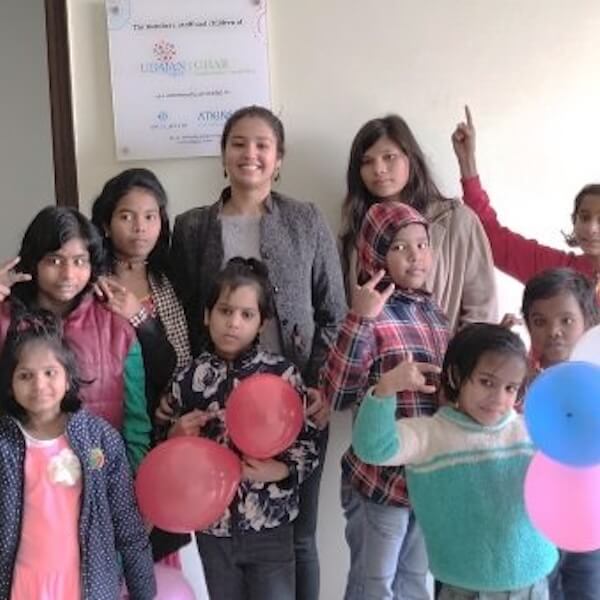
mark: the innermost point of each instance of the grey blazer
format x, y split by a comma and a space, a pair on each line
300, 253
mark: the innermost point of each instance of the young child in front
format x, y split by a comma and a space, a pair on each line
514, 254
466, 467
559, 306
248, 554
69, 522
394, 333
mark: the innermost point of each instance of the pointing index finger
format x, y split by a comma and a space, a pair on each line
468, 116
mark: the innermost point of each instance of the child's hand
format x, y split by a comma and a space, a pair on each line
267, 470
463, 141
317, 410
8, 277
510, 320
165, 413
118, 298
190, 424
407, 376
367, 301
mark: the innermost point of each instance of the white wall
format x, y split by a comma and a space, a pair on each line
528, 68
26, 169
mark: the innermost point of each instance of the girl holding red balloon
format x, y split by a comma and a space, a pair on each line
69, 523
248, 553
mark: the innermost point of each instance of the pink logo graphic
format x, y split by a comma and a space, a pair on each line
164, 51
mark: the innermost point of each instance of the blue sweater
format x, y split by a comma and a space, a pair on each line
109, 522
465, 483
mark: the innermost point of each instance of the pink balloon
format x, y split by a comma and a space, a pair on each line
264, 415
186, 483
563, 502
170, 585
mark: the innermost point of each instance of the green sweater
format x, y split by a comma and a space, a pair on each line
465, 483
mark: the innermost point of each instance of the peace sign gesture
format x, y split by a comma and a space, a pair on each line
463, 141
367, 302
8, 277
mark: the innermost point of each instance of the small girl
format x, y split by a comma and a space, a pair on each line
559, 306
386, 163
248, 554
61, 253
517, 256
69, 522
465, 469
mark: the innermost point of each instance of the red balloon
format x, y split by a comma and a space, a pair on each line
187, 483
264, 415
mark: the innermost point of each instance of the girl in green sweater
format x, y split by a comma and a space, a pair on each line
465, 469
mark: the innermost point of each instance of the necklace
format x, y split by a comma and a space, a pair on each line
129, 264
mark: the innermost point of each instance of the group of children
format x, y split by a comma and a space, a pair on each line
90, 317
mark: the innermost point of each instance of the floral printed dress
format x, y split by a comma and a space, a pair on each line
47, 563
206, 385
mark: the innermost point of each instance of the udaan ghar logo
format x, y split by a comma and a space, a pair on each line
165, 63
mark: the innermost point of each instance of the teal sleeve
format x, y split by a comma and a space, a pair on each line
136, 424
374, 434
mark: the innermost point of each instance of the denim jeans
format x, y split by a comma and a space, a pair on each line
388, 559
538, 591
252, 566
305, 530
576, 576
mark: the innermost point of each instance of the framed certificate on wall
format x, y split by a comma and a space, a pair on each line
180, 68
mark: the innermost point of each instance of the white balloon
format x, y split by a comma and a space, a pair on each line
588, 347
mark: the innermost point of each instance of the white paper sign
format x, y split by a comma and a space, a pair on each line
179, 68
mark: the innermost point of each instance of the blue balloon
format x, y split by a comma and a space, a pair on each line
562, 413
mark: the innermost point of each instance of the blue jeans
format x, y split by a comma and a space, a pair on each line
249, 566
305, 530
388, 560
538, 591
576, 576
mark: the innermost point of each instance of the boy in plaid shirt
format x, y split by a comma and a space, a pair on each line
394, 337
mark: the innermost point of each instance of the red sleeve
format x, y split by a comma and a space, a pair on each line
514, 254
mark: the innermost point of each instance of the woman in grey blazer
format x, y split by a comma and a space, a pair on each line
293, 240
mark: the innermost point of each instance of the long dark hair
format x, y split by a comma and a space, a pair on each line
420, 189
51, 229
36, 328
105, 204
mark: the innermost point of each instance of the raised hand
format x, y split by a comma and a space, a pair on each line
8, 277
367, 302
118, 298
463, 141
406, 376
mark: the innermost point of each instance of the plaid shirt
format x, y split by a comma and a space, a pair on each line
366, 348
